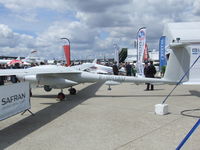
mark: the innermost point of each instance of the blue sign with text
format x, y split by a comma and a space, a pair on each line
162, 56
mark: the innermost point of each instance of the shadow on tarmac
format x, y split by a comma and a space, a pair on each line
145, 94
19, 130
45, 96
141, 95
195, 93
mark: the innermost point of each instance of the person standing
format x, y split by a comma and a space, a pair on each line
145, 69
128, 69
150, 72
1, 77
115, 69
133, 70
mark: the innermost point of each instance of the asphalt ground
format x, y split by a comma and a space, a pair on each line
98, 119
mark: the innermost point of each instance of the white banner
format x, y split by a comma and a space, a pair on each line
116, 58
14, 98
141, 39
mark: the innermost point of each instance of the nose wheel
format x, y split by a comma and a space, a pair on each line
61, 96
72, 91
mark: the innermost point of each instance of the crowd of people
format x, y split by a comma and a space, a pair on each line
127, 67
149, 71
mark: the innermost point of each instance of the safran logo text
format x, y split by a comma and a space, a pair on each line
13, 98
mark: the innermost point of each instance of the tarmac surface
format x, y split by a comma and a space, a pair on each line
98, 119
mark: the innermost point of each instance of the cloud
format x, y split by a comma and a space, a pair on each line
92, 25
196, 8
13, 44
7, 37
21, 5
97, 6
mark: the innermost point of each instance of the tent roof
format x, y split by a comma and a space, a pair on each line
186, 31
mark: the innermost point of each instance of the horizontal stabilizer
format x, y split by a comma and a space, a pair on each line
191, 83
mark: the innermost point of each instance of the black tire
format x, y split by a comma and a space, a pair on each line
72, 91
14, 79
61, 96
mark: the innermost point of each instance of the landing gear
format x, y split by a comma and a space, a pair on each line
14, 79
72, 91
30, 92
47, 88
109, 88
61, 95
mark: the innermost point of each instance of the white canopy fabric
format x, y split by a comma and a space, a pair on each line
186, 31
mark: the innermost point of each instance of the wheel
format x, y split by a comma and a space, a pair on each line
61, 96
72, 91
14, 79
47, 88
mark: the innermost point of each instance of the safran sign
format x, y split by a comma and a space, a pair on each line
14, 98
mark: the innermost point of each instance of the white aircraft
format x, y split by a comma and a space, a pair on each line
5, 61
183, 55
100, 69
10, 61
52, 76
27, 61
97, 68
33, 59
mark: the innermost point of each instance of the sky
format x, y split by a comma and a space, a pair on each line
92, 26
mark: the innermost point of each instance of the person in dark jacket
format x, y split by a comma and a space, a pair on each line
150, 72
128, 69
145, 68
115, 69
2, 78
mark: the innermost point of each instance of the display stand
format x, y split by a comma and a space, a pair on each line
29, 112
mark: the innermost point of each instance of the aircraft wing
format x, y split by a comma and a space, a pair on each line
86, 76
94, 61
64, 75
8, 72
57, 77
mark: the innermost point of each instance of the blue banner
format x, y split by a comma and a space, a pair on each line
162, 56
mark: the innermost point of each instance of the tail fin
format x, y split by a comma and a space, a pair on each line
18, 58
94, 61
182, 56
